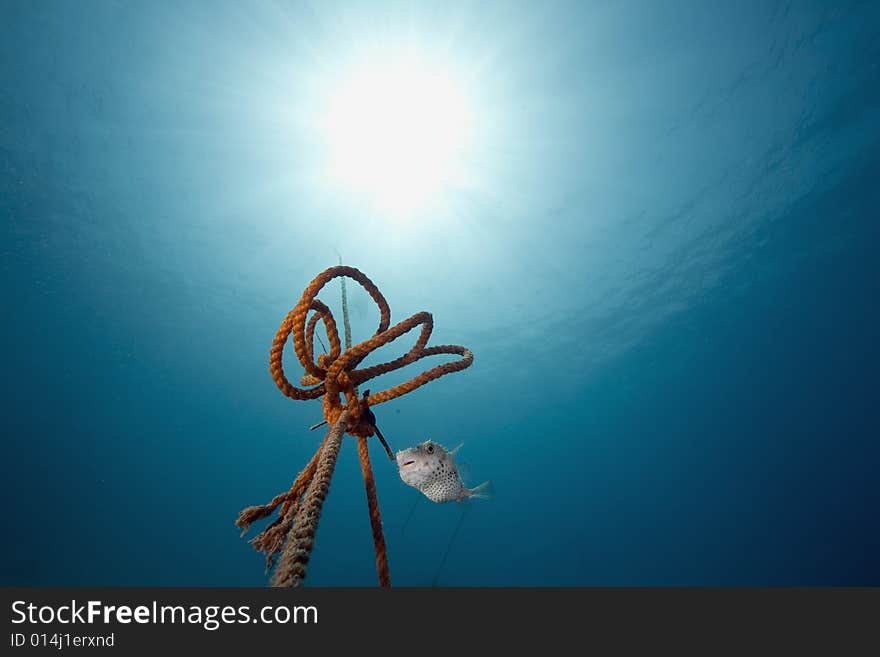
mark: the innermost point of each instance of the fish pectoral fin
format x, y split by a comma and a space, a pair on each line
464, 473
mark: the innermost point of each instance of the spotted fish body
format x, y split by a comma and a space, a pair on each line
431, 469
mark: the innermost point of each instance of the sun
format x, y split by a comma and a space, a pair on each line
397, 132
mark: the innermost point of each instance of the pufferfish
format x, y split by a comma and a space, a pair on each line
430, 468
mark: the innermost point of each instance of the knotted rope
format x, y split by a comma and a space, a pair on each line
335, 376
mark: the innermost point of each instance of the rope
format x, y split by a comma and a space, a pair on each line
375, 516
449, 545
345, 323
334, 377
292, 564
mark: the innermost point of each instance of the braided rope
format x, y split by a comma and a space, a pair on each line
292, 564
375, 516
334, 377
345, 323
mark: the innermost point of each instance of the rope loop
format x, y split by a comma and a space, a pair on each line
336, 373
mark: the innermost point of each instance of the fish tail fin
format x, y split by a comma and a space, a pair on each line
485, 491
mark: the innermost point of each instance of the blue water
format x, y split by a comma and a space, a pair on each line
665, 263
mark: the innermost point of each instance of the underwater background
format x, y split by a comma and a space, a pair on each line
663, 257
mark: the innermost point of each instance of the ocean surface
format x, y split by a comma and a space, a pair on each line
661, 247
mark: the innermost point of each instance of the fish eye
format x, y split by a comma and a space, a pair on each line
429, 447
